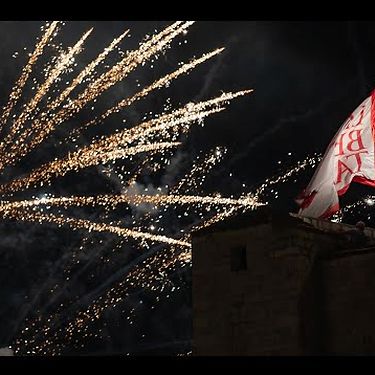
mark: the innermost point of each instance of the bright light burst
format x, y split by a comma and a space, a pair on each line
145, 148
32, 127
149, 145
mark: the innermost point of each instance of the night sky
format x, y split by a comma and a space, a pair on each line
307, 78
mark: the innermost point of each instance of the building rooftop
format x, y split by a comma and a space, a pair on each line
265, 215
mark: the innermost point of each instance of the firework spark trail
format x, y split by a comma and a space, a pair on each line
137, 277
149, 273
182, 116
65, 262
140, 274
87, 71
114, 200
195, 177
159, 133
192, 180
133, 59
162, 82
309, 161
88, 225
86, 156
117, 73
366, 202
39, 122
47, 328
355, 207
141, 277
131, 274
125, 179
146, 275
81, 159
127, 176
152, 269
150, 164
46, 285
137, 172
136, 271
17, 145
19, 85
73, 276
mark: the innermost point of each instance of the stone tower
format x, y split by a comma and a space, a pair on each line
266, 284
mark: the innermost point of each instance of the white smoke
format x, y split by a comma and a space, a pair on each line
6, 352
173, 168
138, 189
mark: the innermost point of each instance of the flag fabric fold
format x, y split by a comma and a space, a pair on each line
349, 157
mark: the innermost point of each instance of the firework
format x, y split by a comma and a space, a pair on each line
148, 142
101, 151
41, 129
89, 225
17, 125
18, 87
114, 200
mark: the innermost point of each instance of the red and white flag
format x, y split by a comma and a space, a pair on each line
349, 157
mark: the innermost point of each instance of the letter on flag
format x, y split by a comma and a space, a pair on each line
349, 157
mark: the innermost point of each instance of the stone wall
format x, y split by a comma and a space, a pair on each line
348, 304
292, 299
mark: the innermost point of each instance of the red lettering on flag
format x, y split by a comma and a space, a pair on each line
343, 163
357, 156
341, 168
340, 143
349, 123
357, 139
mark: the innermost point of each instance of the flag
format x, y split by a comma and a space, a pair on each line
349, 157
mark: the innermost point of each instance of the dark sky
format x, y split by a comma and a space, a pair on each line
307, 77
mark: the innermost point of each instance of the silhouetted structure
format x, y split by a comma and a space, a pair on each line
265, 284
